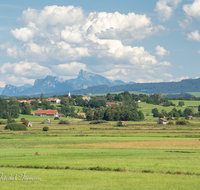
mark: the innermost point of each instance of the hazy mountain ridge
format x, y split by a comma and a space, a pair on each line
52, 84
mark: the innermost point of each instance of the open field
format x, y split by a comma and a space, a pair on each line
142, 155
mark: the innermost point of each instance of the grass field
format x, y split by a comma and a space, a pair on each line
142, 155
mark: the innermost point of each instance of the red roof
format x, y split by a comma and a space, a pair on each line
163, 119
110, 103
123, 121
47, 112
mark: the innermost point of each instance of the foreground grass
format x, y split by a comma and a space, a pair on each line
61, 179
137, 149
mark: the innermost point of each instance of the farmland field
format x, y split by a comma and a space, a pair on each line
141, 155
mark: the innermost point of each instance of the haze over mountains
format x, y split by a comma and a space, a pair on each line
88, 82
54, 84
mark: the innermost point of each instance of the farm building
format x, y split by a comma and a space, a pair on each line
161, 121
171, 118
190, 117
49, 112
121, 123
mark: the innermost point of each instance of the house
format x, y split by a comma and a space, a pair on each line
47, 121
49, 112
29, 124
86, 98
161, 104
61, 115
110, 104
161, 121
54, 100
121, 123
190, 117
25, 101
171, 118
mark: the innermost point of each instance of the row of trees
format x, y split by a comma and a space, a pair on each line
173, 113
114, 113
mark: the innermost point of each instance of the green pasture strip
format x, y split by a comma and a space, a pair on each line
87, 180
134, 160
40, 141
187, 102
196, 94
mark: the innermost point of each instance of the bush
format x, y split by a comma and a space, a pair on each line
16, 127
3, 122
12, 121
56, 118
45, 128
22, 119
182, 122
63, 122
170, 123
42, 122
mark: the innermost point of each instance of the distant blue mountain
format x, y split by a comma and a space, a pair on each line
52, 84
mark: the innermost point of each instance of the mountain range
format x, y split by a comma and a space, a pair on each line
53, 84
88, 82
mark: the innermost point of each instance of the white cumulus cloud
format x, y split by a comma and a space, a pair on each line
69, 69
195, 36
165, 8
161, 51
64, 39
193, 9
27, 69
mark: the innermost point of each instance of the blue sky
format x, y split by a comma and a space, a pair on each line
140, 41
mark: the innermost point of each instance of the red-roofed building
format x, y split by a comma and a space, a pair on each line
49, 113
190, 117
161, 121
121, 123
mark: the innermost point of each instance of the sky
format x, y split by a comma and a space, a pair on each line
129, 40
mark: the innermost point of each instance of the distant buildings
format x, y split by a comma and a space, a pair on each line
49, 113
161, 121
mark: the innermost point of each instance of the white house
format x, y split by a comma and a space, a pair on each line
161, 121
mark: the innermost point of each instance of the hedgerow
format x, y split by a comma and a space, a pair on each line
16, 127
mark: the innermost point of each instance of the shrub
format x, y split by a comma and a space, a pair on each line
42, 122
63, 122
22, 119
170, 123
16, 127
3, 122
45, 128
11, 121
56, 118
182, 122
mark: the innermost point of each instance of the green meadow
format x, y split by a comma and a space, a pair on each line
80, 155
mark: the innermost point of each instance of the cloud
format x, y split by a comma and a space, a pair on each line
179, 79
167, 75
165, 8
161, 51
185, 23
25, 69
67, 34
193, 9
181, 67
69, 69
63, 40
12, 79
194, 36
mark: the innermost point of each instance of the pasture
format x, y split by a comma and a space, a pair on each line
141, 155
